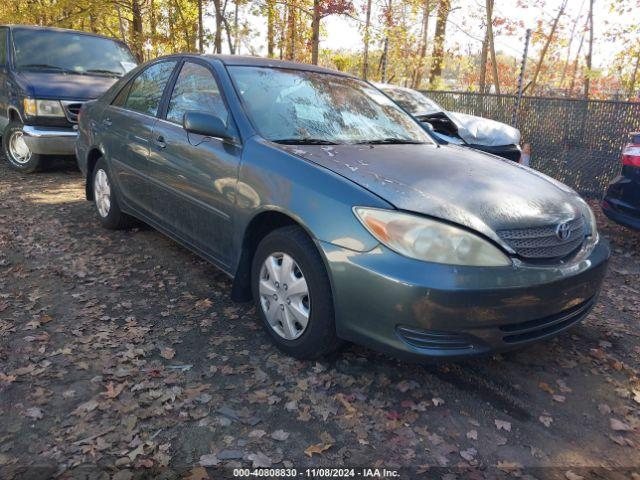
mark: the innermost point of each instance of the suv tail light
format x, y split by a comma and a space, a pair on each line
631, 152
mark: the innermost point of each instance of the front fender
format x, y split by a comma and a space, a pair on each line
318, 199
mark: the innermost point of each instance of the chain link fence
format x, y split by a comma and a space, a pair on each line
575, 141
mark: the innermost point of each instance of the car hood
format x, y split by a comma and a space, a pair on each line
483, 131
467, 187
65, 86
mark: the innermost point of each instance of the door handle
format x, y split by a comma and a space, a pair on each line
107, 122
159, 141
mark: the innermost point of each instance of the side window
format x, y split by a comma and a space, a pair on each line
121, 98
146, 89
195, 89
3, 47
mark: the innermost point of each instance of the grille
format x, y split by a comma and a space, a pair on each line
542, 242
71, 110
535, 329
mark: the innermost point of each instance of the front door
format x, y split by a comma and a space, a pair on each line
195, 176
127, 125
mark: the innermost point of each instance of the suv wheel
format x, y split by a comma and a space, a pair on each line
16, 150
292, 294
106, 202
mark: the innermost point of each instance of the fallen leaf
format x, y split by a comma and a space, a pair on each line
619, 426
604, 409
136, 452
167, 353
437, 401
469, 454
472, 434
544, 386
317, 448
209, 460
280, 435
113, 392
546, 420
7, 378
569, 475
259, 460
503, 425
33, 412
508, 467
85, 408
198, 473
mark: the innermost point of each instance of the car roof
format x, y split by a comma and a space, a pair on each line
56, 29
249, 61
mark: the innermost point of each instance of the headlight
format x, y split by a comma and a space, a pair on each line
43, 108
591, 227
429, 240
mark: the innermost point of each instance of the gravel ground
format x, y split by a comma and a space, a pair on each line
122, 356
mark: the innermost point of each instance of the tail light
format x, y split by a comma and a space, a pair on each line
631, 152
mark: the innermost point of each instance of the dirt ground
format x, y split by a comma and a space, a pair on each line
122, 356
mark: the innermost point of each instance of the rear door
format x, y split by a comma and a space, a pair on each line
194, 177
126, 127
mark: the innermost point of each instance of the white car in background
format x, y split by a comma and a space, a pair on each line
458, 128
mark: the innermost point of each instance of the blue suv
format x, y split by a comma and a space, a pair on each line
46, 74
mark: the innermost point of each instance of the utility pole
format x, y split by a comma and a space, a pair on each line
523, 66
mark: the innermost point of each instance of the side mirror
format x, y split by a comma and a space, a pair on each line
206, 124
427, 126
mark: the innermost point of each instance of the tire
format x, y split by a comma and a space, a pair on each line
277, 302
106, 201
16, 151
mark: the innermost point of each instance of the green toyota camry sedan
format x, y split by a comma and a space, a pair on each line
336, 212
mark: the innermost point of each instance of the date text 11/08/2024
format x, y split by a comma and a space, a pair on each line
316, 473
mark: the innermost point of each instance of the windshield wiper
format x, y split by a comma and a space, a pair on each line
106, 72
42, 65
304, 141
390, 141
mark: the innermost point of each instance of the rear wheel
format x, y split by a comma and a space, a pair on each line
106, 201
292, 294
17, 151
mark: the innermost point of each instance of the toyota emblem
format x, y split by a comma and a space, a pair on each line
563, 231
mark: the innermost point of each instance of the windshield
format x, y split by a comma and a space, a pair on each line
70, 53
412, 101
295, 106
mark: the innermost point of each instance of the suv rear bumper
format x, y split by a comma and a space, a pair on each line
50, 140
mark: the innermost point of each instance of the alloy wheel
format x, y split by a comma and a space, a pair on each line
102, 193
284, 296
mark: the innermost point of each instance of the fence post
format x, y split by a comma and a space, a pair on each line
521, 78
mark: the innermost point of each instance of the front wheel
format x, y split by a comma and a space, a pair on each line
17, 151
292, 294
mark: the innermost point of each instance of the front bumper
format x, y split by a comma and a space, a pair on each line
50, 140
414, 309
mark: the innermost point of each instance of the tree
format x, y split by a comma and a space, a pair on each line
422, 50
532, 85
492, 49
367, 39
444, 7
587, 77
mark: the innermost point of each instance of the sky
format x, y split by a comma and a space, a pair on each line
464, 27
